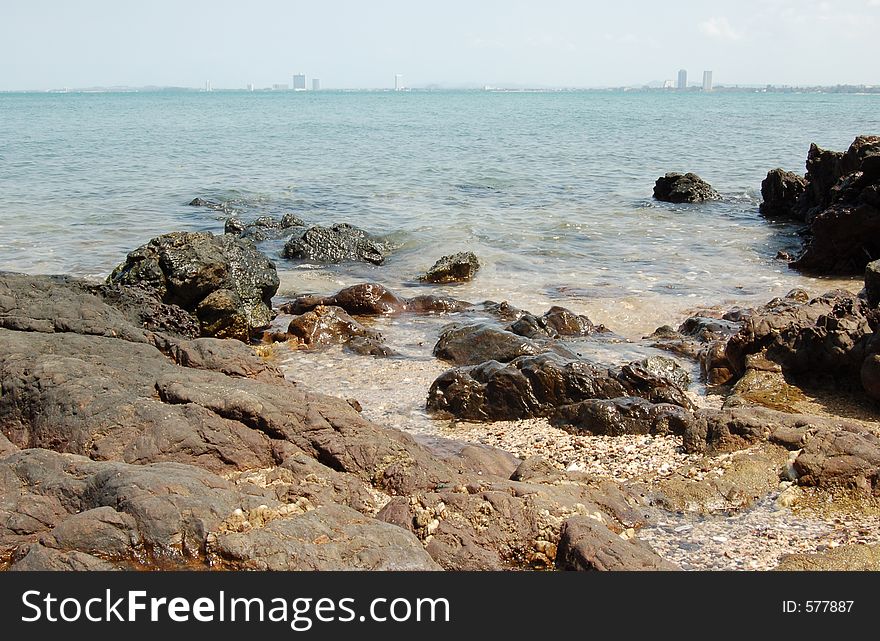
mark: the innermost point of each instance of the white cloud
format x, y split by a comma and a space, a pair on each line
719, 28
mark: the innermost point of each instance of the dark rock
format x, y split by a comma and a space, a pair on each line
557, 322
223, 281
326, 325
781, 191
668, 368
210, 204
708, 329
618, 416
365, 299
336, 244
262, 228
503, 311
457, 268
144, 308
532, 386
684, 188
841, 458
369, 346
431, 304
825, 336
842, 207
872, 283
474, 344
586, 544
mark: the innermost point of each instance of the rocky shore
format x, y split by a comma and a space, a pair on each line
168, 418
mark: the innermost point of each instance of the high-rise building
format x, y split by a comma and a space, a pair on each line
707, 81
398, 82
299, 81
316, 84
682, 79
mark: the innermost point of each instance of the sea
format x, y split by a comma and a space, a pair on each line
551, 189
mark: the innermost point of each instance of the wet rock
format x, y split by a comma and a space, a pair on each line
373, 299
781, 191
765, 387
684, 188
364, 299
586, 544
533, 386
143, 308
503, 311
457, 268
707, 329
474, 344
210, 204
338, 243
557, 322
618, 416
327, 325
226, 283
668, 368
841, 458
262, 228
369, 346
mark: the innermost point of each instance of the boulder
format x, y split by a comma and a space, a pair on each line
338, 243
327, 325
373, 299
618, 416
781, 191
226, 283
684, 188
474, 344
457, 268
586, 544
535, 386
557, 322
841, 458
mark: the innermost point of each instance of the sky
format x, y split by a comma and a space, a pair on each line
48, 44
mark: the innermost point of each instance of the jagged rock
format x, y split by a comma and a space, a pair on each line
781, 191
684, 188
457, 268
586, 544
226, 283
533, 386
210, 204
338, 243
326, 325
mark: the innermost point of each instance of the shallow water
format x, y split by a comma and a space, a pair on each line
551, 190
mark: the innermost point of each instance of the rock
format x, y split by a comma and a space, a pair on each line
826, 336
586, 544
872, 283
781, 191
326, 325
143, 308
373, 299
457, 268
668, 368
841, 204
262, 228
557, 322
841, 458
618, 416
338, 243
764, 387
369, 346
474, 344
534, 386
856, 557
684, 188
107, 515
503, 311
365, 299
327, 538
226, 283
210, 204
869, 375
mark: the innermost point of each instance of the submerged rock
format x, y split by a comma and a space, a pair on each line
262, 228
684, 188
474, 344
457, 268
226, 283
326, 325
338, 243
557, 322
373, 299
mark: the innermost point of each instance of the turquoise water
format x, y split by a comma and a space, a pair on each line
551, 190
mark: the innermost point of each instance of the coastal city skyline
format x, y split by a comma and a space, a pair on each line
559, 43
